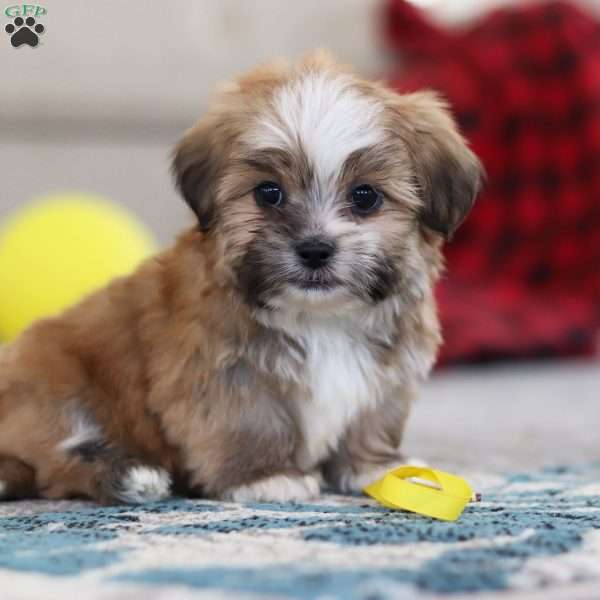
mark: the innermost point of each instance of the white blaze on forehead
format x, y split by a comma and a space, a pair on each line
326, 115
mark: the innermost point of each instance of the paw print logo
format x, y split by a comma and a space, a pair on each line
24, 32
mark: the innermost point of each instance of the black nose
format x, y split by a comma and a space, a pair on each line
315, 253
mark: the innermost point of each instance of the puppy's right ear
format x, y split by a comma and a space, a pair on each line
195, 167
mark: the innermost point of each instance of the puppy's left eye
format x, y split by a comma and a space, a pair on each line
268, 193
365, 200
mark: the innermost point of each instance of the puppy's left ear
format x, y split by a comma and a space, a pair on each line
448, 174
195, 167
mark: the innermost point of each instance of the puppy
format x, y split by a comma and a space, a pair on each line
281, 340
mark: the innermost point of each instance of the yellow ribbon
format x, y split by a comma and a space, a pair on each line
438, 494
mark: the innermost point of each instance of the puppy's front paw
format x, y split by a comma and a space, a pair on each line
355, 479
278, 488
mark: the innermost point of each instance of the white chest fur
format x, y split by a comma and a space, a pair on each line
342, 380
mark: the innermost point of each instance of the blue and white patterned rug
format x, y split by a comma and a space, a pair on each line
531, 531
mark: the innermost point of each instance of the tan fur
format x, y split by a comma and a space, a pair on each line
175, 367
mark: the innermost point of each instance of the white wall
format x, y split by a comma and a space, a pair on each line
157, 60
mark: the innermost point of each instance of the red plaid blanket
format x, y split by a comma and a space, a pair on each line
523, 275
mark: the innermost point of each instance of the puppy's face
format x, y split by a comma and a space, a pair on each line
323, 190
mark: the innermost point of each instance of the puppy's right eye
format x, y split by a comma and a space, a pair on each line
268, 193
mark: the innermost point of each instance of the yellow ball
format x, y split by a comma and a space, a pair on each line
60, 248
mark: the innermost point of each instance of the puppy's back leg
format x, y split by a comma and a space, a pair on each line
17, 479
64, 452
105, 475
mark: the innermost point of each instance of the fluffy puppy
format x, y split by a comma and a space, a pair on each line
281, 339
